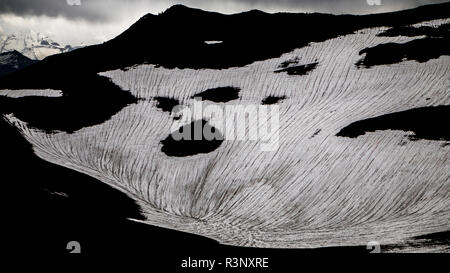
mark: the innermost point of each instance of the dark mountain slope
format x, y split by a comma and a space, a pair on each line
13, 61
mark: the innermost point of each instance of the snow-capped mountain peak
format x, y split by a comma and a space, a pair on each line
33, 45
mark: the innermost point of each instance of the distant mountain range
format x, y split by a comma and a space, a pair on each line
33, 45
13, 61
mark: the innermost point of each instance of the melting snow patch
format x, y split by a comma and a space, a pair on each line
213, 42
31, 93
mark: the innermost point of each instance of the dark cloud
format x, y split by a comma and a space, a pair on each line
106, 10
89, 9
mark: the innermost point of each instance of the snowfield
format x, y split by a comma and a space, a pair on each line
317, 189
31, 93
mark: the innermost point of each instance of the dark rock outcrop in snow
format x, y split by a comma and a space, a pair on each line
299, 69
166, 104
421, 50
272, 100
426, 123
219, 94
172, 146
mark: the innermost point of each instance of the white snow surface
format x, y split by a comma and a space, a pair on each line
432, 23
31, 93
312, 192
213, 42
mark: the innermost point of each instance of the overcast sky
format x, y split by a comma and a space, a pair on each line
95, 21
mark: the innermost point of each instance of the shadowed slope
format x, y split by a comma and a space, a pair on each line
13, 61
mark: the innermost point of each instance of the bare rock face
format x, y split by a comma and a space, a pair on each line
350, 167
